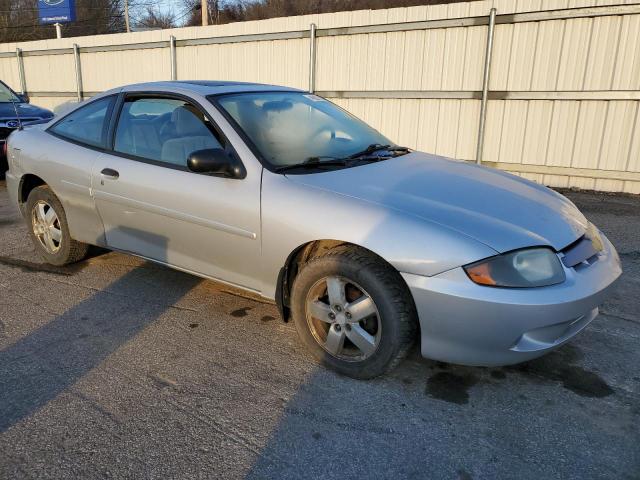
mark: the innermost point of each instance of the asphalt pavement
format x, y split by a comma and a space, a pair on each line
120, 368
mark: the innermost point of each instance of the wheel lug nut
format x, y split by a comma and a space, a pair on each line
332, 316
338, 328
348, 327
338, 308
348, 314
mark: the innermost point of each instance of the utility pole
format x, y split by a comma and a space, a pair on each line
58, 30
205, 12
126, 15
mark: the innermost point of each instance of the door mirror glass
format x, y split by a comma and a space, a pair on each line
214, 161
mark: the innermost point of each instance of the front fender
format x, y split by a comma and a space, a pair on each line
294, 214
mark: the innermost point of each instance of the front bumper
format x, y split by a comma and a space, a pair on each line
469, 324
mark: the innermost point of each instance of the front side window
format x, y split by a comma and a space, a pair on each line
165, 130
86, 124
288, 128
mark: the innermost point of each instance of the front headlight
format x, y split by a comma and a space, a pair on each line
532, 267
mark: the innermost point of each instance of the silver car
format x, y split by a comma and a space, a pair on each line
366, 245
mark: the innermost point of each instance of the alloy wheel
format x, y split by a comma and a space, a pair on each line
46, 226
343, 318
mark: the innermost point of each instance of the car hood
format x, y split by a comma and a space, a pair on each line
498, 209
25, 110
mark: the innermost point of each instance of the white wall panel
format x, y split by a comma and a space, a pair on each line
590, 131
633, 161
503, 43
536, 132
475, 47
493, 135
434, 59
48, 78
601, 59
513, 126
631, 187
522, 56
429, 116
562, 135
616, 146
468, 129
448, 125
627, 66
576, 42
9, 72
547, 55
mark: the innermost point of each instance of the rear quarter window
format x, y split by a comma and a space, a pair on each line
87, 124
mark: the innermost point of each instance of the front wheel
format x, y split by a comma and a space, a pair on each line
354, 312
49, 230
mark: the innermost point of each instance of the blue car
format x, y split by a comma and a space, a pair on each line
10, 104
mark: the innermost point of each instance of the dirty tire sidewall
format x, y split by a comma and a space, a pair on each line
390, 294
70, 251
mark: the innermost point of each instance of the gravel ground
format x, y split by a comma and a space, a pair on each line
117, 367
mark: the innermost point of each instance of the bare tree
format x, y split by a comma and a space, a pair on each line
19, 19
221, 11
153, 18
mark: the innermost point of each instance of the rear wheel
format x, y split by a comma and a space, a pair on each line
49, 230
353, 311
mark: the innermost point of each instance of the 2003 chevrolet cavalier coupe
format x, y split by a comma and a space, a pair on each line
280, 192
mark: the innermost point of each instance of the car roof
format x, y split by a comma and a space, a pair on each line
205, 87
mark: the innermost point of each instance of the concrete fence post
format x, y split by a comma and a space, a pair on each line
485, 86
23, 80
172, 56
312, 57
76, 57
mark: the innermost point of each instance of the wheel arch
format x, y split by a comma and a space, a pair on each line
301, 255
27, 183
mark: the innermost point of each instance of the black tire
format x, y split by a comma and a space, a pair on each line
394, 303
69, 251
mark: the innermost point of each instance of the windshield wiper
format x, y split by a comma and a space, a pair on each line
315, 162
376, 147
364, 155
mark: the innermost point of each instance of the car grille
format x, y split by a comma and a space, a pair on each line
583, 252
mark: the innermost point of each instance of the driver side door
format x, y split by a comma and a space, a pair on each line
152, 205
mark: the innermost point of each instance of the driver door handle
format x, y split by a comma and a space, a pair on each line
110, 173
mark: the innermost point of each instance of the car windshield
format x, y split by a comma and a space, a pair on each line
289, 128
6, 95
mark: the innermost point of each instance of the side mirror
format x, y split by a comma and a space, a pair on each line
215, 161
23, 97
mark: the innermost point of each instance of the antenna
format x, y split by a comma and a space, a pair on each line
15, 109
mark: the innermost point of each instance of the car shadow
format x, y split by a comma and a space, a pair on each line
428, 416
41, 365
